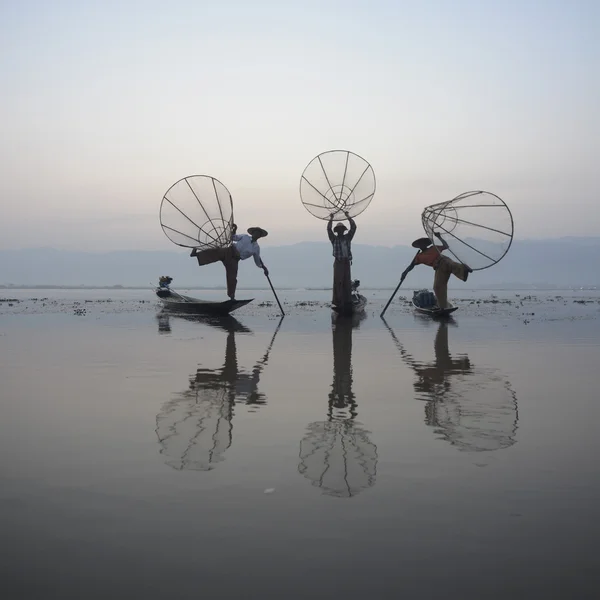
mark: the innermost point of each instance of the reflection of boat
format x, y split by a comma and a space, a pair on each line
172, 300
337, 455
224, 322
358, 305
195, 427
424, 302
164, 324
473, 408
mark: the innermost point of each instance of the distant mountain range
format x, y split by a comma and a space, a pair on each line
563, 262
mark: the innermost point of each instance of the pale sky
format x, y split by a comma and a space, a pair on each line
104, 105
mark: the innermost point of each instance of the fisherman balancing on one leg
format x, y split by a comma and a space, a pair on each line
342, 252
443, 266
243, 247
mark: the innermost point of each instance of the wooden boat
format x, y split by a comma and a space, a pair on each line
424, 302
175, 301
358, 305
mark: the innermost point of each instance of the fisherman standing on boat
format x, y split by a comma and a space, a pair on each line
443, 266
342, 252
243, 247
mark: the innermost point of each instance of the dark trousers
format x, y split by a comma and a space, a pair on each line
230, 258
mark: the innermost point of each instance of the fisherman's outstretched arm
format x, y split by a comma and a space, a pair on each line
260, 264
410, 267
329, 228
352, 225
438, 235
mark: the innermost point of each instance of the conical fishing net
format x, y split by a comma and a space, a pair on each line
335, 182
477, 226
197, 211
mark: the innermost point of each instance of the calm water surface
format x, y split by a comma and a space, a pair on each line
144, 454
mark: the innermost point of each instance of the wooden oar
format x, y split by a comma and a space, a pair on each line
406, 272
275, 294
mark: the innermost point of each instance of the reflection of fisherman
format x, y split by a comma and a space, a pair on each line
337, 455
244, 247
444, 366
341, 395
443, 266
434, 377
342, 252
238, 384
473, 409
195, 428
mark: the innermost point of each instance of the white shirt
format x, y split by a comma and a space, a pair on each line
247, 248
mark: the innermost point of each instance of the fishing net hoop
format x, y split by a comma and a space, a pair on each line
213, 232
444, 216
337, 197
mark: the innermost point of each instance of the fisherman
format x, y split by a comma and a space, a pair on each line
342, 252
243, 246
443, 266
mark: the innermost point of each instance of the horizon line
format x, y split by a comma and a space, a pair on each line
325, 242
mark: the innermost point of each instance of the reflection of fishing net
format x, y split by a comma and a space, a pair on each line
194, 430
197, 211
477, 226
335, 182
338, 457
476, 411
